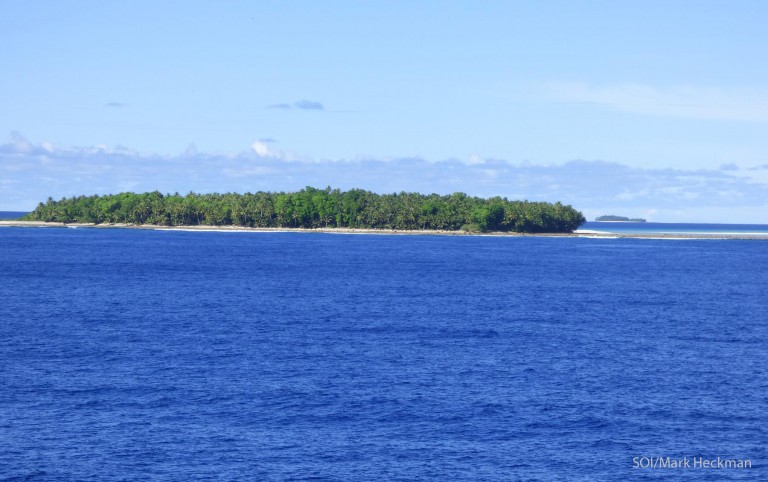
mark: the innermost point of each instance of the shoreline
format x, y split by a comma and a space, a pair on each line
426, 232
232, 228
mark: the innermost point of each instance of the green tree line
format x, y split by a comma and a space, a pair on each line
316, 208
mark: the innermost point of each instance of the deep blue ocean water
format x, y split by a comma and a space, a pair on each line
170, 355
12, 214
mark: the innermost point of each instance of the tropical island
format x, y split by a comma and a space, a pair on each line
613, 218
312, 208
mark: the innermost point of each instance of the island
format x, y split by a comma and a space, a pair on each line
312, 208
613, 218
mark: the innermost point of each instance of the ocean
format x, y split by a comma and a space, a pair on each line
11, 214
171, 355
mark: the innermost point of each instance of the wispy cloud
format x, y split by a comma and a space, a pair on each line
691, 102
308, 105
116, 105
303, 104
32, 172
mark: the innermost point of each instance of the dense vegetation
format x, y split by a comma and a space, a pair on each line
316, 208
612, 217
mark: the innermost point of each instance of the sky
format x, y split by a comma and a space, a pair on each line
656, 109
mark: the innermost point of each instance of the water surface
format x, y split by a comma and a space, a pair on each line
624, 227
168, 355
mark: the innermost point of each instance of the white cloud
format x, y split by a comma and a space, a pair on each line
249, 171
474, 159
691, 102
626, 195
20, 144
261, 149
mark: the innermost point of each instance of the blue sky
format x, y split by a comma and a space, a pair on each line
656, 108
